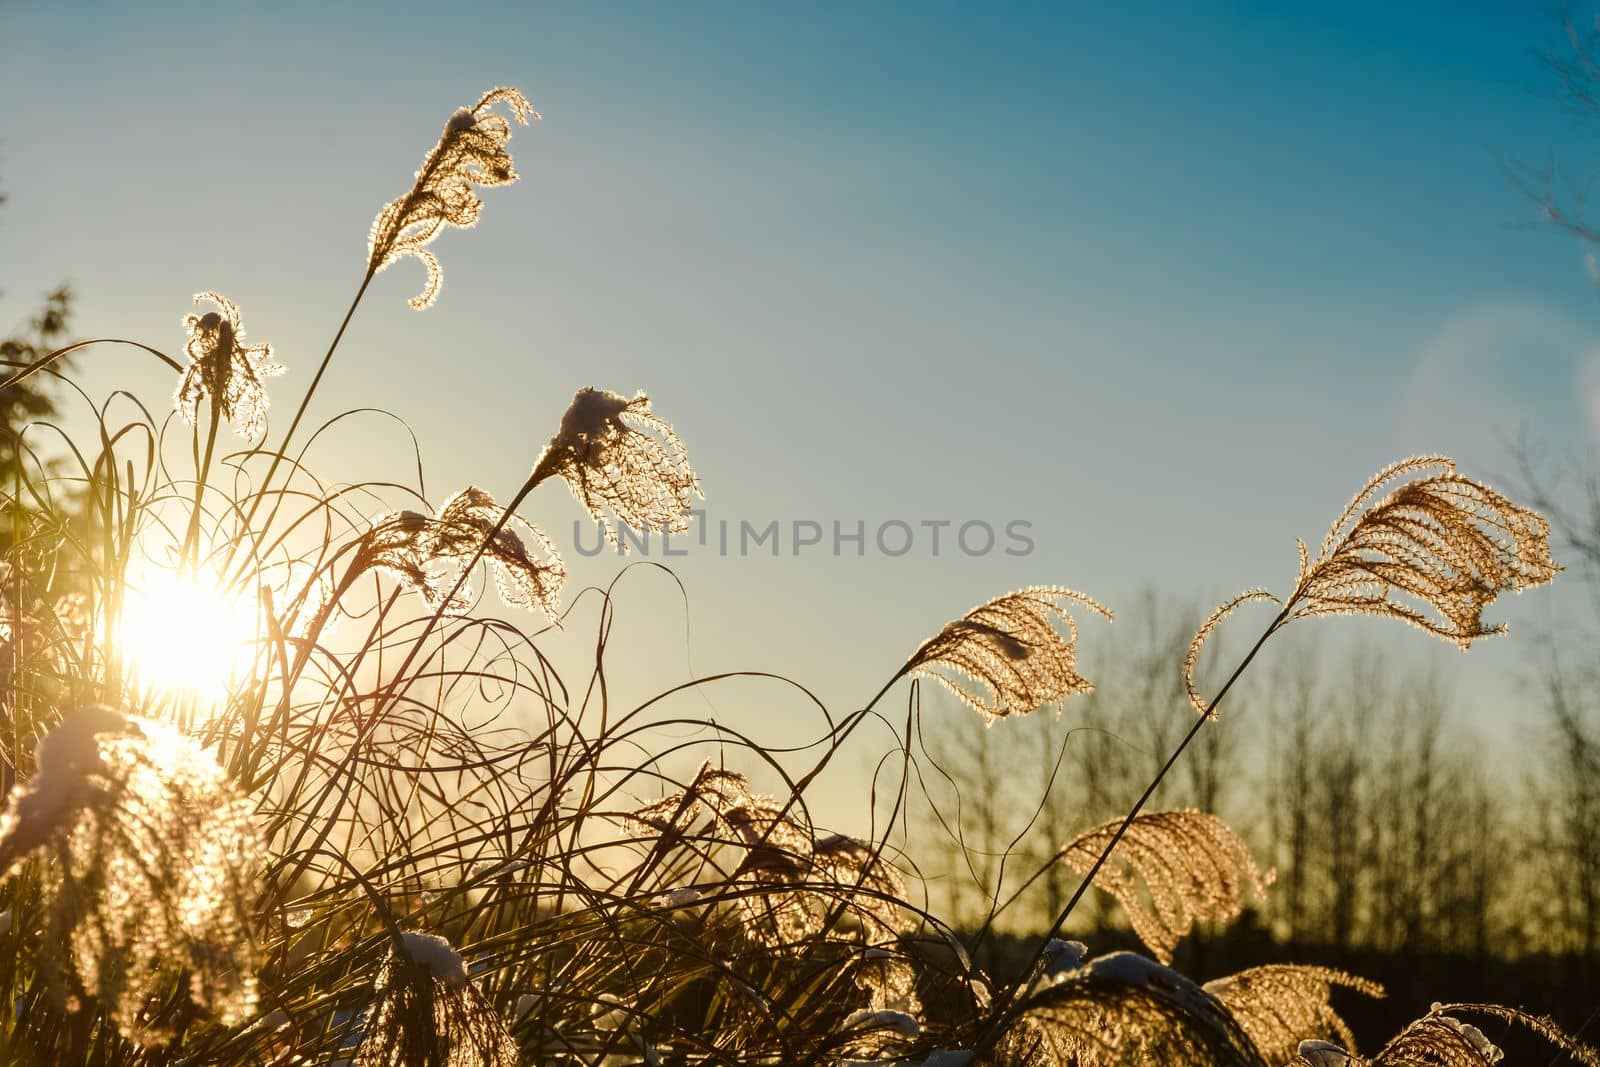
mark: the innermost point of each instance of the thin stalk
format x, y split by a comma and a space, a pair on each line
379, 906
1008, 999
299, 414
44, 361
191, 540
375, 259
1577, 1034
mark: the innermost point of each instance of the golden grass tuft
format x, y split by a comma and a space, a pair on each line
157, 866
471, 152
1012, 649
425, 1014
1171, 870
618, 455
1441, 539
1438, 541
221, 366
1454, 1043
1124, 1009
1282, 1005
427, 554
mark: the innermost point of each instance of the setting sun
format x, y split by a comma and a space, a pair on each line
182, 631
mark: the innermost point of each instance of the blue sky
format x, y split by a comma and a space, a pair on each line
1168, 285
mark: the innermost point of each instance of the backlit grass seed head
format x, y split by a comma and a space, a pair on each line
889, 981
427, 554
223, 367
1125, 1009
1434, 552
1171, 870
1446, 1018
675, 815
743, 839
876, 1034
1282, 1005
471, 152
1013, 649
395, 544
679, 820
876, 891
618, 456
528, 570
427, 1012
1439, 1041
1439, 538
66, 758
156, 861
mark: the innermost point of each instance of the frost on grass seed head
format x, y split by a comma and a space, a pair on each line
426, 1011
471, 152
1013, 649
1063, 956
438, 956
65, 759
1057, 961
223, 367
1124, 1008
1191, 866
427, 554
1282, 1005
1473, 1036
619, 456
156, 861
876, 1033
1440, 1040
1320, 1054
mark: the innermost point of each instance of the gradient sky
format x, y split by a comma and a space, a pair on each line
1168, 285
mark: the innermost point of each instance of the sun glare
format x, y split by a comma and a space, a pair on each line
184, 632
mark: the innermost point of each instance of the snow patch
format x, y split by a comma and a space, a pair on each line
438, 956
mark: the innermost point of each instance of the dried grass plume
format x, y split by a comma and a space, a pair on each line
1191, 866
1442, 1038
223, 367
1125, 1009
1433, 552
618, 455
428, 1012
1448, 543
471, 151
427, 554
1283, 1005
156, 863
1012, 652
